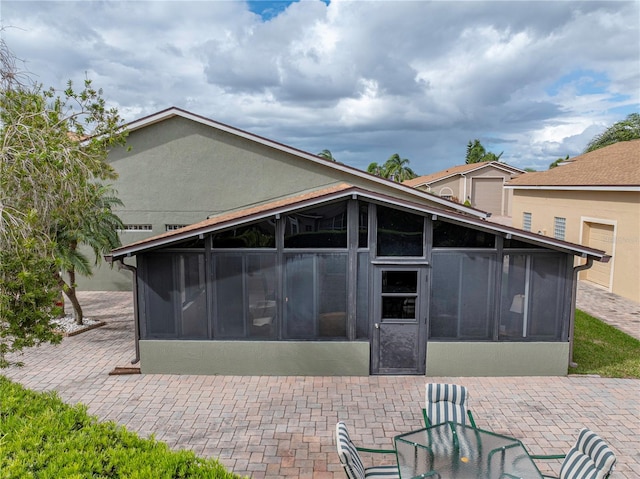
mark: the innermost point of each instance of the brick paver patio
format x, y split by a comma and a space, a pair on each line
283, 427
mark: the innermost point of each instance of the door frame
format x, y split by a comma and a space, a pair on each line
422, 315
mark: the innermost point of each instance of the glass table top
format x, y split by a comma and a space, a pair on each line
455, 451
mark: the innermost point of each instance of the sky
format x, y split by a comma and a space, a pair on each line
536, 80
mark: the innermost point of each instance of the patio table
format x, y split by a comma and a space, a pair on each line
456, 451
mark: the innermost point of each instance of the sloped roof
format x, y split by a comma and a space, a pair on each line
614, 167
459, 170
178, 112
334, 193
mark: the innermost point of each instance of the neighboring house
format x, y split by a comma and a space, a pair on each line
592, 199
303, 266
482, 184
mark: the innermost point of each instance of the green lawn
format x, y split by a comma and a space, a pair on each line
604, 350
40, 436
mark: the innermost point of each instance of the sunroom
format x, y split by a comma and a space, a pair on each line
346, 281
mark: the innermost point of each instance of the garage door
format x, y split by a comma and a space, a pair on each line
600, 236
486, 195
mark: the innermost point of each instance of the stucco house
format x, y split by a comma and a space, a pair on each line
592, 199
302, 266
482, 184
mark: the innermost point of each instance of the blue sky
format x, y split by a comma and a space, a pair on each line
365, 79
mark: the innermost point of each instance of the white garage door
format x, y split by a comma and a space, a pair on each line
600, 236
487, 195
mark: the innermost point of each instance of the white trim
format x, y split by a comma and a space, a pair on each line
575, 188
174, 111
614, 223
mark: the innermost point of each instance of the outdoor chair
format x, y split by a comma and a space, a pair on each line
350, 459
446, 403
589, 458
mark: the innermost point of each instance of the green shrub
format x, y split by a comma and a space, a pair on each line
42, 437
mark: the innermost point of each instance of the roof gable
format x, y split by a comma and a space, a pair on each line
300, 154
460, 170
613, 167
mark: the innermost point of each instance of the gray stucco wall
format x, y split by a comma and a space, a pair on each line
255, 358
497, 359
307, 358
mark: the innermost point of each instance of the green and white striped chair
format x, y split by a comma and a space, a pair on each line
446, 403
589, 458
350, 459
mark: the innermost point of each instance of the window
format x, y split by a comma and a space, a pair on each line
245, 299
526, 221
462, 288
399, 233
315, 303
449, 235
176, 297
173, 227
137, 228
258, 235
446, 193
321, 227
559, 226
532, 296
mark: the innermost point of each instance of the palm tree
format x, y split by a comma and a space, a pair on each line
327, 155
375, 169
476, 153
96, 227
625, 130
397, 169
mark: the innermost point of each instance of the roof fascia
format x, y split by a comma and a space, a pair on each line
174, 111
573, 188
354, 193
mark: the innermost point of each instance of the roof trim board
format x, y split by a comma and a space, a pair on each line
174, 111
343, 191
573, 188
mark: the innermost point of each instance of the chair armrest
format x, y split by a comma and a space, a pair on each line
427, 423
473, 423
553, 456
376, 451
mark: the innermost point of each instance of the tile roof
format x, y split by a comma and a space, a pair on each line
616, 165
456, 170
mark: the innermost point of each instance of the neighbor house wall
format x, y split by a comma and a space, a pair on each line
610, 207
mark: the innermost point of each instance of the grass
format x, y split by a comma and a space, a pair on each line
601, 349
40, 436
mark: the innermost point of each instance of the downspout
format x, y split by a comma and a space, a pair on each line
574, 296
123, 265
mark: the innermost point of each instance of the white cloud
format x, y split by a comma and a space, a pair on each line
365, 79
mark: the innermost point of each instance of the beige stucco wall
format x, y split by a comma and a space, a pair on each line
497, 359
620, 209
261, 358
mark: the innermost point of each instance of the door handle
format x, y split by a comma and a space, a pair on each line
377, 326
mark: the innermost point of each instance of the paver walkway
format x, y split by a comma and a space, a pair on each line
283, 427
